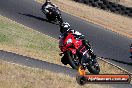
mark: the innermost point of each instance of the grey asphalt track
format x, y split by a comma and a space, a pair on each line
105, 43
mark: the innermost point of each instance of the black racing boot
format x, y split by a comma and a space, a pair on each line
88, 46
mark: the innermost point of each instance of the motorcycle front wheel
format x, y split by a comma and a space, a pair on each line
74, 64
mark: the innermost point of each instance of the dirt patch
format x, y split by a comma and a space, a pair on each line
15, 76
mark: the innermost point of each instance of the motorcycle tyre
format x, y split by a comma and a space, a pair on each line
93, 70
71, 62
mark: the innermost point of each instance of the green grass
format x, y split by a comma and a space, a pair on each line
14, 34
27, 40
3, 38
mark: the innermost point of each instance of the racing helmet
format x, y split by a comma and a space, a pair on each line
65, 26
48, 1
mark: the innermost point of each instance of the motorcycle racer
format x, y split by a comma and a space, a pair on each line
48, 4
65, 30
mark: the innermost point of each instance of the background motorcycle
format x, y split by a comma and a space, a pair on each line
75, 53
54, 14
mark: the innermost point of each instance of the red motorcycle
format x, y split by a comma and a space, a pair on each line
74, 52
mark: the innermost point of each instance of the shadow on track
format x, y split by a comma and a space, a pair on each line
38, 18
119, 61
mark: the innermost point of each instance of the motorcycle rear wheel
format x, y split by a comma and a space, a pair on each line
93, 68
